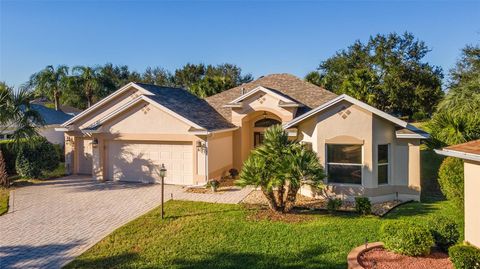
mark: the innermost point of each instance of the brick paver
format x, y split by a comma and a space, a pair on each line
55, 221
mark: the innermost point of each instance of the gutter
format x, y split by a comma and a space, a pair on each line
206, 132
458, 154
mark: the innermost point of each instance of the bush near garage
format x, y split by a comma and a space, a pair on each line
35, 157
450, 178
465, 256
445, 232
407, 238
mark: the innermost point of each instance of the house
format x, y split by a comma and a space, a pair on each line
130, 133
70, 110
52, 119
470, 153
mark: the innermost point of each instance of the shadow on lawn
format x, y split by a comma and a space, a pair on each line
412, 209
228, 260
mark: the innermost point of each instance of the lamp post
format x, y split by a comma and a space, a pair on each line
162, 174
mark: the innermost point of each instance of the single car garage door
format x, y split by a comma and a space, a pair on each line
140, 161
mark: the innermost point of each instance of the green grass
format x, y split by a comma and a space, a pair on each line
4, 194
204, 235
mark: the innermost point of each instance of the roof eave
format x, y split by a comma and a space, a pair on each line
458, 154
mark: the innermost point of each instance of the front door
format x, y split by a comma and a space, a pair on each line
257, 139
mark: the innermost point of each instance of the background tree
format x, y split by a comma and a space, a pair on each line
87, 78
279, 167
50, 82
386, 72
17, 115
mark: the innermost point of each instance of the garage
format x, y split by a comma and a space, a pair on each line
139, 161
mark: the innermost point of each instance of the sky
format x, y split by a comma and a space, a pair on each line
262, 37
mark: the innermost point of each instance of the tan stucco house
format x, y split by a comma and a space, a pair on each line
127, 135
470, 153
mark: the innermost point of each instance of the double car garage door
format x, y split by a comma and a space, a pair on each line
140, 161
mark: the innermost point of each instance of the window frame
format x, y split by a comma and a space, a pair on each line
384, 164
327, 179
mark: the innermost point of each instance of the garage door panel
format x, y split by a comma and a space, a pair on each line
140, 161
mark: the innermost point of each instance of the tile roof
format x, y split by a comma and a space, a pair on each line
188, 106
295, 88
51, 116
472, 147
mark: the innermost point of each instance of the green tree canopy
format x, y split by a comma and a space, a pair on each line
386, 72
457, 118
51, 83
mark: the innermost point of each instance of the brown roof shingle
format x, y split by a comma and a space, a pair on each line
303, 92
472, 147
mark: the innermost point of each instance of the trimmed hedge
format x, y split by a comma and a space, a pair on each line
334, 204
465, 257
450, 178
9, 154
406, 238
444, 231
363, 205
36, 157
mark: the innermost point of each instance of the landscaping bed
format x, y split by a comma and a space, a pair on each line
378, 209
380, 258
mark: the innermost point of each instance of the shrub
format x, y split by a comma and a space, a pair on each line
406, 238
36, 157
444, 231
60, 150
450, 178
233, 173
419, 115
334, 204
363, 205
465, 257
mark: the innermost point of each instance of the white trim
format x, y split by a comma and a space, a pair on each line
261, 88
205, 132
234, 105
62, 129
290, 105
350, 100
458, 154
104, 100
418, 136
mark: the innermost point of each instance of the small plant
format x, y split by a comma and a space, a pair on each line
444, 231
465, 256
334, 204
233, 173
213, 184
406, 238
363, 205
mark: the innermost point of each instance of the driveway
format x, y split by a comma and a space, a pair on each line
51, 223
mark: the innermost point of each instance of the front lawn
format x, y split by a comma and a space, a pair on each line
204, 235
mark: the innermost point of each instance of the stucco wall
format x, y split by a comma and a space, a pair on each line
51, 135
472, 202
220, 157
345, 123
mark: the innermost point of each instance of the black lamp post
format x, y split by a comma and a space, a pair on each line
162, 174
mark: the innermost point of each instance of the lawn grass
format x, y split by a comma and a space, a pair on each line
4, 194
205, 235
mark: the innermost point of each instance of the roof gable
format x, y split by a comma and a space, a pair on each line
283, 98
304, 93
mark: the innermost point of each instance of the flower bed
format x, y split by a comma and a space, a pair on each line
380, 258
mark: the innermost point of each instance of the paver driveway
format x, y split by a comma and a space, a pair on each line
55, 221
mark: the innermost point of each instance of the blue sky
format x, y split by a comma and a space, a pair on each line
261, 37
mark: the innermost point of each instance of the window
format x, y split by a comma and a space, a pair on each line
344, 164
266, 122
382, 164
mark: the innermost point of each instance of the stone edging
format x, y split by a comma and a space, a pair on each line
352, 257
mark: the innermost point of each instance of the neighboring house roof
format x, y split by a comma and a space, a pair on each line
51, 116
307, 94
467, 151
189, 107
67, 109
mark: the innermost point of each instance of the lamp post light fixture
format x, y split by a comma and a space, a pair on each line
162, 174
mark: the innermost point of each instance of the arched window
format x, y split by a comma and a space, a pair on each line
266, 122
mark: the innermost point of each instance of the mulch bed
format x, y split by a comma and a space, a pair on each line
378, 209
259, 213
380, 258
224, 186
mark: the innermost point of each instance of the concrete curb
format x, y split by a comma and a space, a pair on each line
352, 257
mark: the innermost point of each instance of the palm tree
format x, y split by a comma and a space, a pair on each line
51, 82
16, 114
88, 78
280, 167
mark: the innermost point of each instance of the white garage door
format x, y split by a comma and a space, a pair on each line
140, 161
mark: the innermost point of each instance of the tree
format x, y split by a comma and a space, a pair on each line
17, 115
157, 76
3, 172
279, 167
386, 72
457, 119
50, 82
88, 79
